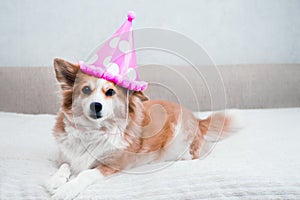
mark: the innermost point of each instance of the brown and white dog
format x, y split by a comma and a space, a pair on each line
102, 129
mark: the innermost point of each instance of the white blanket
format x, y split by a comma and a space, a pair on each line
260, 162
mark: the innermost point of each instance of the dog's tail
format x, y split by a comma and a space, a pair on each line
217, 127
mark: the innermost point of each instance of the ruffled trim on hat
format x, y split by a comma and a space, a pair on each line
117, 79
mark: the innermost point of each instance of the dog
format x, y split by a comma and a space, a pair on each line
102, 129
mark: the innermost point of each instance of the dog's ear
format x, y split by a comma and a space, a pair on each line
135, 99
65, 73
140, 95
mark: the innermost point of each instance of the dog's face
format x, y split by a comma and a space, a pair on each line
97, 99
90, 100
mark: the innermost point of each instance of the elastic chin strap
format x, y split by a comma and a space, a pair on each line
127, 109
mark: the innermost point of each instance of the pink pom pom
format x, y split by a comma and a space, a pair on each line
130, 16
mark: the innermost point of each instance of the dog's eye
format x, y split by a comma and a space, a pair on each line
86, 90
110, 92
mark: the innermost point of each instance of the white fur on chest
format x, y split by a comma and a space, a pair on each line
83, 149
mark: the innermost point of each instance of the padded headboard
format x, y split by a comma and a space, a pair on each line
35, 90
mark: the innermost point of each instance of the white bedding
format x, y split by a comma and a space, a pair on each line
260, 162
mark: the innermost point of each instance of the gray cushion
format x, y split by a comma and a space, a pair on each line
35, 90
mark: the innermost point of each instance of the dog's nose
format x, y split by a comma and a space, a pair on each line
96, 107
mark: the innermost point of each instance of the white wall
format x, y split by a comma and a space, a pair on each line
33, 32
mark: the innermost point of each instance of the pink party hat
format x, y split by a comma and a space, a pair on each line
116, 59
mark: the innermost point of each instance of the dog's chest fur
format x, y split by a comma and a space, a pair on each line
85, 149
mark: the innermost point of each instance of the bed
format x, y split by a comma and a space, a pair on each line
262, 161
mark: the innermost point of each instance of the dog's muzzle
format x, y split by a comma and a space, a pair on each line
95, 110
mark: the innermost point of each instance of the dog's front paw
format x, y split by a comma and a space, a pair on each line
71, 189
68, 191
58, 179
